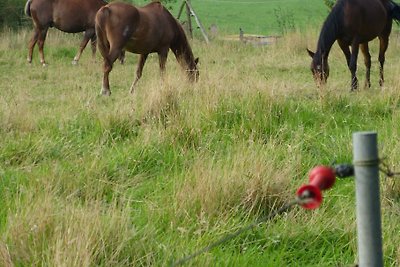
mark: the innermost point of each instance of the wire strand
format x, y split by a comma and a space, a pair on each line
224, 239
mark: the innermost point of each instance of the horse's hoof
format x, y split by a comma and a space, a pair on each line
44, 65
74, 62
105, 92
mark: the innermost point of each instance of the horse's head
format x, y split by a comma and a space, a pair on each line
193, 71
319, 67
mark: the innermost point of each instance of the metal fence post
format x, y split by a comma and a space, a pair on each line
366, 168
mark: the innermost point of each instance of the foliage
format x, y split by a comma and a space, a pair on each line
12, 13
285, 20
169, 3
330, 3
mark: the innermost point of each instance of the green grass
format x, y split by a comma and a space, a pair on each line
142, 179
268, 17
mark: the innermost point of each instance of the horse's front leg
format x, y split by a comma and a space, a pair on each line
122, 57
89, 33
162, 59
139, 71
367, 62
383, 45
353, 66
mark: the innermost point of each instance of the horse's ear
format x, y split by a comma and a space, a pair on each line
196, 60
311, 53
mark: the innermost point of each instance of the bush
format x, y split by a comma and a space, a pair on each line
330, 3
12, 13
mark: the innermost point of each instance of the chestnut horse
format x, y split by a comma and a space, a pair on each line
141, 30
69, 16
353, 23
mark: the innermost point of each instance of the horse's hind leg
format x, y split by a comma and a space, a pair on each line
89, 33
367, 61
139, 71
122, 57
383, 45
108, 64
41, 40
32, 43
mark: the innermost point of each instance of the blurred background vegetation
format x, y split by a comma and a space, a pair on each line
12, 13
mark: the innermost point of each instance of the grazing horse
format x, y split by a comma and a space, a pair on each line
141, 30
70, 16
353, 23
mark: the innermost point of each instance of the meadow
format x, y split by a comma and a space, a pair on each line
268, 17
148, 178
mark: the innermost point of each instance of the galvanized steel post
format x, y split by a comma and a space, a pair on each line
366, 168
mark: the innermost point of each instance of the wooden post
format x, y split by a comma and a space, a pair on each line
189, 13
191, 10
189, 20
181, 9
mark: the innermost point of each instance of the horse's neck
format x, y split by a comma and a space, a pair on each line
329, 33
184, 51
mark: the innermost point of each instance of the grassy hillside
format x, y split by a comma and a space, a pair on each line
143, 179
269, 17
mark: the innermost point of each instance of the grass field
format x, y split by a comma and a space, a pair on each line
145, 179
268, 17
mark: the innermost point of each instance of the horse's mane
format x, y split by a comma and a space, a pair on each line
331, 28
181, 44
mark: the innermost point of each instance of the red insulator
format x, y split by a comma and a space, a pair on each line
321, 178
311, 193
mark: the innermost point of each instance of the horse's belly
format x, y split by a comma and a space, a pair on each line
137, 47
66, 25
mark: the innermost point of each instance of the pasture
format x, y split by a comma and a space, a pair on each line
267, 17
144, 179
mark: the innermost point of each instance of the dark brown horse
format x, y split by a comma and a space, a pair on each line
70, 16
141, 30
353, 23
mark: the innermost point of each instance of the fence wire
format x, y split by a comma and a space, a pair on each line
341, 171
297, 201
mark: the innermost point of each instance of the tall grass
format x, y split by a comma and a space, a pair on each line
142, 179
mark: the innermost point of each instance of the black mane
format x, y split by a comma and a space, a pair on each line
331, 29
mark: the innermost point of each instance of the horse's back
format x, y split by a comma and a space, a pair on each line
141, 30
366, 18
66, 15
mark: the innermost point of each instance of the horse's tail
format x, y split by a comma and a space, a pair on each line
100, 27
27, 8
394, 11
